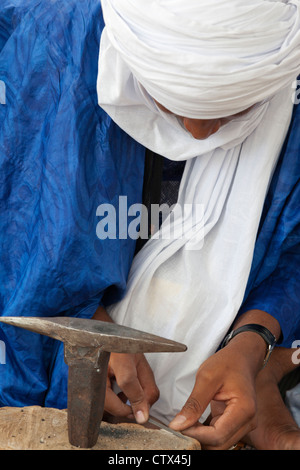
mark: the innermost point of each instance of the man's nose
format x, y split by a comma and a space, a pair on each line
202, 128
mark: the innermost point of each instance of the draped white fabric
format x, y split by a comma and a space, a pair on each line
199, 59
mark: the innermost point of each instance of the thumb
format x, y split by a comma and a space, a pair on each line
194, 407
188, 416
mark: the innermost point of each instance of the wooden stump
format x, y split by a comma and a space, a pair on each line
37, 428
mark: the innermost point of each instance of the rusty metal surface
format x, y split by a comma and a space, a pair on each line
84, 332
86, 397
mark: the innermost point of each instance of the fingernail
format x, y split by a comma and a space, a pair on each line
178, 421
140, 417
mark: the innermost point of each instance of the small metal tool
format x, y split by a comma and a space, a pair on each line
87, 347
165, 428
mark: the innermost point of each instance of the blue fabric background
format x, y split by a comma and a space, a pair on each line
60, 158
274, 282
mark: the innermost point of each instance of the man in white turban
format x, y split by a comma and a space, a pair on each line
207, 82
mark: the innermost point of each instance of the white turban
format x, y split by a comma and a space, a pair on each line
207, 58
200, 59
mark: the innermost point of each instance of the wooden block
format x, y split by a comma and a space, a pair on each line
37, 428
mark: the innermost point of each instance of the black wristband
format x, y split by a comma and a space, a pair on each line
255, 328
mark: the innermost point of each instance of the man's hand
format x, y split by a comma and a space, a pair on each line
134, 377
225, 382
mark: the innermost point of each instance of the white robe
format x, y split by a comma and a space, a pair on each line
190, 288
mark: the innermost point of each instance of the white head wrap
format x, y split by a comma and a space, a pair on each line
200, 59
208, 58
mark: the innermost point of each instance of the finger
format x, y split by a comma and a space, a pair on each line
197, 433
202, 394
228, 429
128, 381
114, 405
147, 381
